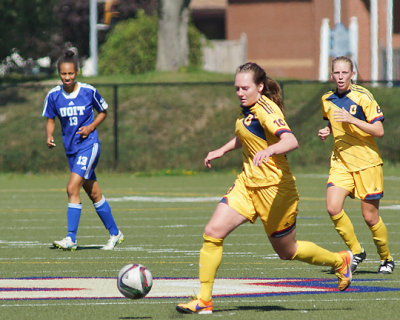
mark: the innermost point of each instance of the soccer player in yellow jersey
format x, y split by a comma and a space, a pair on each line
265, 188
355, 119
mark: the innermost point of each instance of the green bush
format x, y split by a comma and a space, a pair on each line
195, 54
131, 47
172, 126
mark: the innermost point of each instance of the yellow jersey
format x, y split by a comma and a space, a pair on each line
354, 149
258, 127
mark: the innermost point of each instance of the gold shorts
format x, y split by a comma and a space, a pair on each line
276, 205
366, 184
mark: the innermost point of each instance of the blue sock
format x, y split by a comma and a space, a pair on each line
103, 210
73, 216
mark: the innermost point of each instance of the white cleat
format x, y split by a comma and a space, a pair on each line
113, 241
66, 244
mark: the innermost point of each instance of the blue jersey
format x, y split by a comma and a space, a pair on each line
75, 110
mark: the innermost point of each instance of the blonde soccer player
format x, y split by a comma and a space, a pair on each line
265, 188
355, 120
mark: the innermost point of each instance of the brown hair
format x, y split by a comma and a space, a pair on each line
70, 56
343, 59
271, 90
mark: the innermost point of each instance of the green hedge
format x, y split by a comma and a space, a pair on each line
172, 126
131, 46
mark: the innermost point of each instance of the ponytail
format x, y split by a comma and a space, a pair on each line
273, 91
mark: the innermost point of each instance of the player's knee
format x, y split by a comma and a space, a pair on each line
210, 230
215, 231
286, 255
71, 191
95, 196
333, 209
285, 251
371, 220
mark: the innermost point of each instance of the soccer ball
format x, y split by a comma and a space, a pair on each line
134, 281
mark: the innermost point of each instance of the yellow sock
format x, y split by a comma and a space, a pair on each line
313, 254
210, 259
345, 229
380, 236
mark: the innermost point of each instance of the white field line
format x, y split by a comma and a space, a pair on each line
216, 301
164, 199
158, 199
394, 207
325, 176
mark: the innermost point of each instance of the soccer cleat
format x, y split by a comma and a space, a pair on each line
196, 306
113, 241
386, 267
66, 244
357, 259
344, 273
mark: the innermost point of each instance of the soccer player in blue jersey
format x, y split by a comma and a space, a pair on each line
74, 103
355, 119
265, 188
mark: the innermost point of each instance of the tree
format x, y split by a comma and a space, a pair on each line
74, 17
173, 46
29, 27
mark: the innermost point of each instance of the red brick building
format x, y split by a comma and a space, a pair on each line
284, 35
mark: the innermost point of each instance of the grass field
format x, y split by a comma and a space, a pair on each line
163, 227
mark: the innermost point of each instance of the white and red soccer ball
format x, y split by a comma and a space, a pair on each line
134, 281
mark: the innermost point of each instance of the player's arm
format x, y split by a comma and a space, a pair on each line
374, 129
287, 142
86, 130
218, 153
50, 126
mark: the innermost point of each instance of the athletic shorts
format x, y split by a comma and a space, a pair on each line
276, 205
366, 184
85, 161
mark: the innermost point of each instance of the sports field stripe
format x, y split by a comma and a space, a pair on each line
220, 301
164, 199
113, 191
147, 199
50, 288
52, 211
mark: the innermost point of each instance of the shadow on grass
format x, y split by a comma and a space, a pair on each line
127, 318
356, 273
359, 272
272, 308
79, 248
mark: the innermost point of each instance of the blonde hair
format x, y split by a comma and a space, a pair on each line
343, 59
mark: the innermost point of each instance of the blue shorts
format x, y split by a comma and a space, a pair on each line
85, 161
